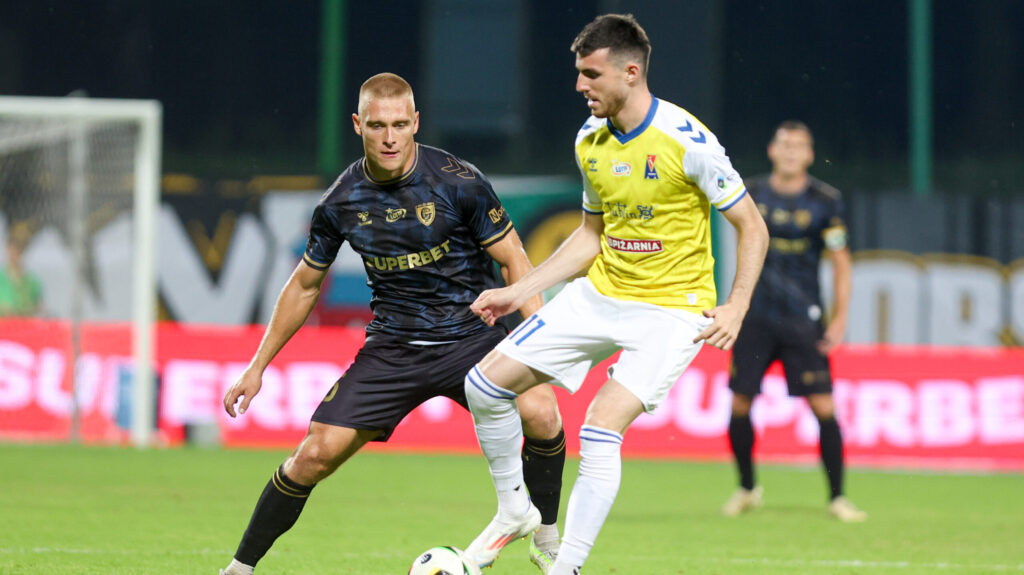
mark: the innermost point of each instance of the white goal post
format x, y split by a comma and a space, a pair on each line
71, 121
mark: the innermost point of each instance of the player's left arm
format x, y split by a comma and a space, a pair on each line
842, 273
752, 247
511, 257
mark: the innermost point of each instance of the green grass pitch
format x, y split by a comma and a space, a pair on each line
109, 511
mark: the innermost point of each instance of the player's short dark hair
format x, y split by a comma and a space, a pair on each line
620, 33
794, 126
384, 85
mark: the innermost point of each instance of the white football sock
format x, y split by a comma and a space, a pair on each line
500, 433
546, 538
592, 496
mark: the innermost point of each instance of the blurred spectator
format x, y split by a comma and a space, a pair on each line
20, 290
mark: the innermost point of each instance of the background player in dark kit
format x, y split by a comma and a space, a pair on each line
785, 322
429, 229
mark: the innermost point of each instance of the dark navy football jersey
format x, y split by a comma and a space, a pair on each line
800, 227
423, 239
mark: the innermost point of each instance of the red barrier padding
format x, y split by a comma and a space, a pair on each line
945, 408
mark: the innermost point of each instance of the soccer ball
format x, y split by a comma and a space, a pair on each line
443, 561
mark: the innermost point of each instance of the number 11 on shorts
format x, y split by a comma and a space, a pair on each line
526, 329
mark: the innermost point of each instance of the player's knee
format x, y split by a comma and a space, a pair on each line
541, 419
483, 396
822, 405
312, 462
824, 413
741, 404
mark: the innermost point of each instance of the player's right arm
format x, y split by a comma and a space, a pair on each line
293, 306
572, 257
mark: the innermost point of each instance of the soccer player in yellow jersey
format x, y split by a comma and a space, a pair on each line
651, 172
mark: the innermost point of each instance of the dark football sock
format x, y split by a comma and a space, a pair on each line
832, 454
741, 438
543, 460
276, 511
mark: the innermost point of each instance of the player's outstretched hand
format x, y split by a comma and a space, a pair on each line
495, 303
246, 386
728, 318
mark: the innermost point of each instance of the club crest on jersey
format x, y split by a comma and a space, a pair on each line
364, 218
395, 215
621, 168
651, 173
425, 213
802, 218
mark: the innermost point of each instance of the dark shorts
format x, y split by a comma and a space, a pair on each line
389, 378
794, 343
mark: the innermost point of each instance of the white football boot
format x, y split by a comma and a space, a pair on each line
543, 558
844, 510
743, 500
500, 532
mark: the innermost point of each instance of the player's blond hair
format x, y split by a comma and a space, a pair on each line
385, 85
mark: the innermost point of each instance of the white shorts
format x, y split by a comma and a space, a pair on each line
580, 327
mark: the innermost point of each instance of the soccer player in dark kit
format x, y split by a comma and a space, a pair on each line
429, 228
805, 218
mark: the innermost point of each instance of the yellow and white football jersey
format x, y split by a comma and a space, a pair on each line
654, 187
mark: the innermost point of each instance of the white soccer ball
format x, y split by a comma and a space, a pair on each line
443, 561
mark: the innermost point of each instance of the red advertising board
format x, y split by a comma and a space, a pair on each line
898, 406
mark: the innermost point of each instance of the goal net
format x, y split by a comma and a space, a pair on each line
79, 191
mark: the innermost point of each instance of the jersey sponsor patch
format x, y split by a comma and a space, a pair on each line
408, 261
634, 246
621, 168
729, 179
394, 215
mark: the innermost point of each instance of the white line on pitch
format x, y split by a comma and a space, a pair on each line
857, 563
126, 552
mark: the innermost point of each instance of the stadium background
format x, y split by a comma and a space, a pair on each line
248, 143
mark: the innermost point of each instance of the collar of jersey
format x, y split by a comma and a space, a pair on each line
407, 174
623, 138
